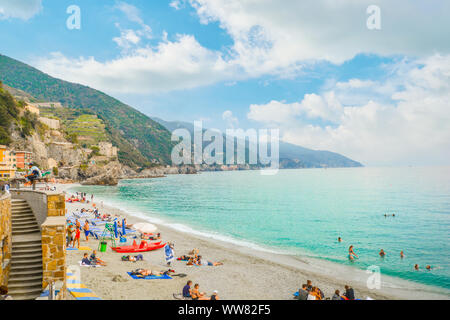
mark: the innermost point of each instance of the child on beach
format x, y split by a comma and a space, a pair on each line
77, 237
95, 260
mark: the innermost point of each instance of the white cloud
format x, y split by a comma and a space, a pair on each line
132, 13
20, 9
177, 4
414, 129
277, 37
231, 121
171, 65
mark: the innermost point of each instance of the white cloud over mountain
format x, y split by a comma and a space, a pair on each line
20, 9
414, 128
171, 65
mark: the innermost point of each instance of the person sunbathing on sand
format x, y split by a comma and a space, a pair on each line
201, 262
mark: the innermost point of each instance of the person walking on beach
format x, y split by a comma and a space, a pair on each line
168, 251
77, 237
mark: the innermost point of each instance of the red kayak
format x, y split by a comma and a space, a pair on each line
143, 247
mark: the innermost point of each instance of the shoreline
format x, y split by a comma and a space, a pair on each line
247, 274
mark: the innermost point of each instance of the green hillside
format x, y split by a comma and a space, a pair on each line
139, 139
13, 114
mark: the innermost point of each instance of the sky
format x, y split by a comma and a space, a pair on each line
367, 79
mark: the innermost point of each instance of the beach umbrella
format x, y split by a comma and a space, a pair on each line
145, 227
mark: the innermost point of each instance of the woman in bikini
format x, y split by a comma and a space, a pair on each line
351, 253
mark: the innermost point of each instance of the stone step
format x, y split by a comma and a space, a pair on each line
26, 231
23, 218
21, 207
24, 226
25, 243
26, 250
27, 296
19, 256
17, 200
35, 261
30, 278
25, 285
33, 267
18, 214
24, 215
16, 224
21, 273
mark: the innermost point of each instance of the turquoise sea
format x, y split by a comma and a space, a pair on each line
304, 211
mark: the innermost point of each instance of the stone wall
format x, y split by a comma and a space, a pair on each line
51, 123
5, 237
53, 232
56, 205
53, 251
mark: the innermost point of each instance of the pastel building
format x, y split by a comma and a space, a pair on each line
7, 169
23, 159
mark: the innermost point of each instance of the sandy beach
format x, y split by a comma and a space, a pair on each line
245, 274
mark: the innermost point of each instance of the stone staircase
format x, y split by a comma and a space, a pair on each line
25, 279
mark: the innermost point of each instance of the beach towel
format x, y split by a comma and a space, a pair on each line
164, 276
89, 265
80, 248
169, 253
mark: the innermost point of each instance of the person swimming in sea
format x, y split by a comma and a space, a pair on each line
402, 255
416, 267
351, 253
382, 253
339, 239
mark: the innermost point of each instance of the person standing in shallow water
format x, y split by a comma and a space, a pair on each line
382, 253
351, 253
402, 255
